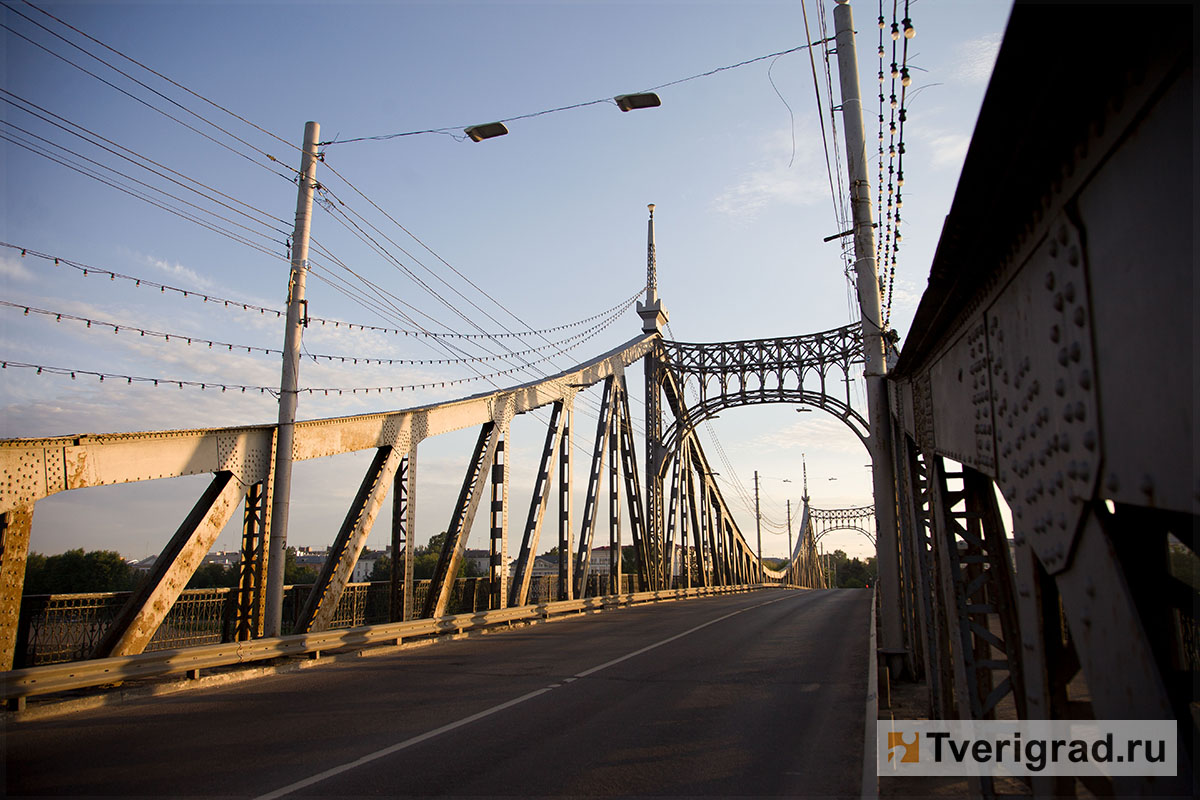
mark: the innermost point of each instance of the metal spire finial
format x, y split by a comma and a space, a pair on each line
651, 265
653, 315
804, 466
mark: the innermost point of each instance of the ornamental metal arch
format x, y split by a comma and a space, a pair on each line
842, 519
701, 379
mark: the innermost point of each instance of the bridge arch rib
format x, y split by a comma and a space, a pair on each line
701, 379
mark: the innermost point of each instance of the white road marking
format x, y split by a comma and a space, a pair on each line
415, 740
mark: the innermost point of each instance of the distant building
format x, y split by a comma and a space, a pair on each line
482, 561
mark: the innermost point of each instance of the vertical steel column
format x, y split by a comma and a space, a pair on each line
891, 638
565, 523
654, 534
592, 499
671, 528
498, 551
410, 530
519, 592
397, 584
15, 528
614, 506
637, 525
252, 569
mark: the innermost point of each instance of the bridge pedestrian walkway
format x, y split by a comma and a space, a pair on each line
753, 694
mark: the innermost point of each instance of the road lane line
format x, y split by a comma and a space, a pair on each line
387, 751
415, 740
648, 648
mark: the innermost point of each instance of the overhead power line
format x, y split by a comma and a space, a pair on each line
454, 131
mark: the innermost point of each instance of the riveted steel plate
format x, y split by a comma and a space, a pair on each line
1043, 389
22, 476
959, 379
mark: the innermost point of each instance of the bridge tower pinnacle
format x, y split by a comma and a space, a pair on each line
804, 467
653, 315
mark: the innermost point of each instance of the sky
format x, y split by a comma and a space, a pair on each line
542, 228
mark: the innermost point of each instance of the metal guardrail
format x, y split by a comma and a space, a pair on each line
58, 628
31, 681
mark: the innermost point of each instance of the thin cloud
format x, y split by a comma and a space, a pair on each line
822, 432
949, 150
770, 180
13, 270
974, 59
177, 270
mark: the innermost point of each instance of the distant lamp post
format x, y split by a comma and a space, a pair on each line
489, 131
630, 102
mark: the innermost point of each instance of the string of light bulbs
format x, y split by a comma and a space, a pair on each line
888, 245
115, 327
312, 390
86, 270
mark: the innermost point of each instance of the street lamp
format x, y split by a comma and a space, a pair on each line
625, 102
491, 130
631, 102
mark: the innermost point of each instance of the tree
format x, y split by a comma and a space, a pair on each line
850, 573
212, 576
382, 570
78, 572
294, 573
426, 559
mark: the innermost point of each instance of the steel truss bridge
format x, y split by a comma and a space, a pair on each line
1049, 361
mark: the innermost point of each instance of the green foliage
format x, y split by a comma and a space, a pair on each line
851, 573
382, 570
426, 560
294, 573
77, 572
213, 576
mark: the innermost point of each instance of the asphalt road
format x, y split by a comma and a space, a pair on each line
747, 695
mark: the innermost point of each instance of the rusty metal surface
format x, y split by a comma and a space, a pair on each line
149, 605
15, 527
352, 537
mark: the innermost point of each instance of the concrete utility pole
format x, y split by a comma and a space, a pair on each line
758, 527
883, 474
289, 386
789, 513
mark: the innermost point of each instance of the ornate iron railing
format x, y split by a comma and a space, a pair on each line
57, 628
